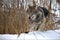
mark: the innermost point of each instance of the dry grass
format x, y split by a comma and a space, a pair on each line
47, 24
13, 21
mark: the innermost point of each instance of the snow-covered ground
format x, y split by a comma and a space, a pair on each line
48, 35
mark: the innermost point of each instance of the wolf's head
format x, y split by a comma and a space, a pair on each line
37, 14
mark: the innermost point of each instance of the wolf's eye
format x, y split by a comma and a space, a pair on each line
33, 17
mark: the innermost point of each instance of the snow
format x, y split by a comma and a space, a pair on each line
8, 36
36, 35
50, 35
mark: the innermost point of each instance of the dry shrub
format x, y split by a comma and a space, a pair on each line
18, 19
13, 21
48, 23
1, 21
25, 23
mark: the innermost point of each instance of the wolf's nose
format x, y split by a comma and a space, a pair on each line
29, 18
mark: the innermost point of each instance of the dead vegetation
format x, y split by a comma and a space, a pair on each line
13, 20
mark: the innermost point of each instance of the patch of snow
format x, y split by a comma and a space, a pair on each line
50, 35
36, 35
